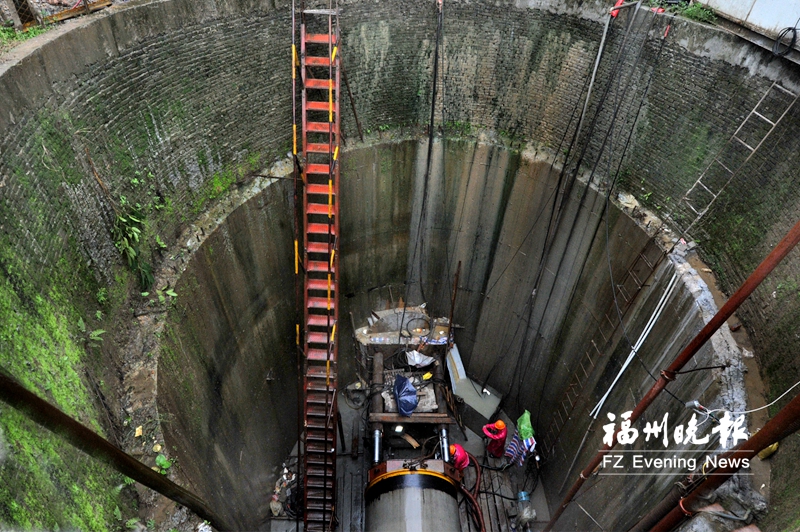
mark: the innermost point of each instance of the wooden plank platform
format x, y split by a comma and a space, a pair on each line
425, 417
494, 486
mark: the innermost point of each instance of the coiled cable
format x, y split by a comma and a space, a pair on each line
776, 48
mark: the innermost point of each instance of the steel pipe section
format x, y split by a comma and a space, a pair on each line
412, 501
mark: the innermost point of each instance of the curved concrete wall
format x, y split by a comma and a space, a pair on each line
489, 207
227, 367
177, 101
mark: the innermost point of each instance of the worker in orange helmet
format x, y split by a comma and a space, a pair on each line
496, 432
460, 457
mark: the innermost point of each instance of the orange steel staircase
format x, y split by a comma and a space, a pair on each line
318, 230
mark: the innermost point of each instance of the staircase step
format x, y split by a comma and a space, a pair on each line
316, 430
319, 106
316, 83
320, 284
318, 247
318, 338
321, 229
321, 127
319, 493
319, 320
320, 266
320, 38
316, 168
314, 504
320, 448
318, 520
317, 147
319, 471
317, 354
320, 483
318, 434
329, 12
317, 411
320, 208
319, 458
318, 385
313, 188
319, 382
318, 61
319, 397
315, 370
321, 302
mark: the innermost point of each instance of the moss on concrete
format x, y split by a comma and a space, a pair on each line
45, 343
47, 485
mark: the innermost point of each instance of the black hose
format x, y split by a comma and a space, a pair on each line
495, 494
776, 48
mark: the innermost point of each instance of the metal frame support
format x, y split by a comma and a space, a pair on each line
445, 444
376, 446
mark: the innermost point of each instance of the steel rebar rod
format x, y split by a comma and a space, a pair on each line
751, 283
53, 419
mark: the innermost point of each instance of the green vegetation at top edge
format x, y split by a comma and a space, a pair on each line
691, 10
10, 36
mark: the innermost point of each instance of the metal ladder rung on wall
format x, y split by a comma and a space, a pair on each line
707, 188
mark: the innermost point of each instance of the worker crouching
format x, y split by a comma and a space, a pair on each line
460, 457
496, 432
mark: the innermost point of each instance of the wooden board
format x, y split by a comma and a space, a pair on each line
75, 12
426, 417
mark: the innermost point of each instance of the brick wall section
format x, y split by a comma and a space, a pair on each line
510, 70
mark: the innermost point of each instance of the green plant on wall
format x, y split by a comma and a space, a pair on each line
102, 296
127, 234
691, 10
96, 336
163, 464
697, 12
458, 128
129, 225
